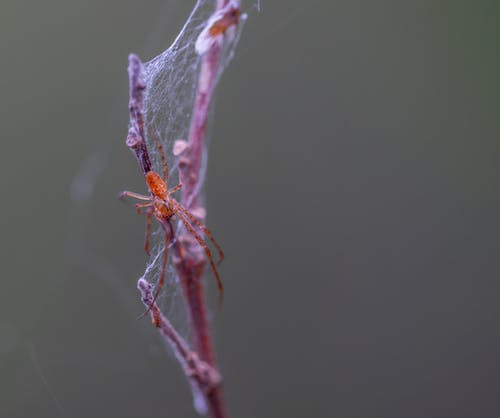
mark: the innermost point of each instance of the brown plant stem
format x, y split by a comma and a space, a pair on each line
198, 372
191, 268
200, 365
201, 373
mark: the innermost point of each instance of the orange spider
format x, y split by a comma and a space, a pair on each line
163, 206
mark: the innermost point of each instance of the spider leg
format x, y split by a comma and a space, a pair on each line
200, 225
162, 155
134, 195
140, 206
175, 189
161, 281
204, 245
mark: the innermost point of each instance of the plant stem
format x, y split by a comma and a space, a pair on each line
200, 365
190, 269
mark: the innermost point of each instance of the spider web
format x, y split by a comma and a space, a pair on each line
171, 81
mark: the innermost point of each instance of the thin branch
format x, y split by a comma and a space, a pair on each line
199, 365
202, 374
136, 140
196, 370
190, 267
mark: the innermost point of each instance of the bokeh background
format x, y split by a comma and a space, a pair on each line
353, 181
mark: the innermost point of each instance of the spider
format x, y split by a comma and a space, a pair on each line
164, 206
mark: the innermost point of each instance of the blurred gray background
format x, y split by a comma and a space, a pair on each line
353, 182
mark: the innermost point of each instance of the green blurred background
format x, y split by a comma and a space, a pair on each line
353, 182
